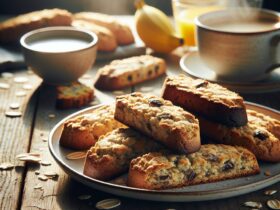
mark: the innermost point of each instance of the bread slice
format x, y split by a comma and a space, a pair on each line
106, 40
212, 101
83, 131
211, 163
74, 95
12, 29
159, 119
112, 153
129, 71
122, 32
261, 135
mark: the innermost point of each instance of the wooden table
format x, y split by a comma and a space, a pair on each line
27, 134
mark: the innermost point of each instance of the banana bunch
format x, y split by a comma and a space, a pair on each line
155, 29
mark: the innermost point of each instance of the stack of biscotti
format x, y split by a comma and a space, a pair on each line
223, 116
12, 29
129, 71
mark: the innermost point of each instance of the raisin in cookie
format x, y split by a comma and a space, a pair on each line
210, 164
160, 119
12, 29
129, 71
112, 153
210, 100
83, 131
261, 135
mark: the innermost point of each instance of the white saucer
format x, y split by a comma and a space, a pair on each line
194, 66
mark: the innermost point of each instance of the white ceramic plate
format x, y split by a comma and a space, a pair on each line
217, 190
194, 66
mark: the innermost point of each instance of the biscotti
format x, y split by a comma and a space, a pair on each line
261, 135
74, 95
159, 119
210, 164
122, 32
12, 29
83, 131
212, 101
106, 40
112, 153
129, 71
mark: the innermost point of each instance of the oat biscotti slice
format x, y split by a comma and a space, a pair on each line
12, 29
122, 32
261, 135
129, 71
74, 95
106, 39
112, 153
83, 131
210, 164
160, 119
210, 100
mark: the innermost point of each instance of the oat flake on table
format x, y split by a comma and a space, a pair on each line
253, 204
45, 163
108, 204
14, 105
13, 114
20, 79
7, 75
6, 166
21, 93
4, 85
270, 192
27, 87
273, 204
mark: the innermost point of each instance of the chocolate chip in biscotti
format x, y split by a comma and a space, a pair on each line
163, 177
156, 68
129, 77
150, 72
155, 102
190, 174
260, 135
228, 165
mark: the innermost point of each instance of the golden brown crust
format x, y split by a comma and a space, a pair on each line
122, 32
11, 30
210, 164
74, 95
111, 154
129, 71
83, 131
260, 135
106, 40
210, 100
160, 119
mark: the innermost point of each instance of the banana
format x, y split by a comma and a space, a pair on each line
155, 29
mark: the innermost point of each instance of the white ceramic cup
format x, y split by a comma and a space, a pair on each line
239, 44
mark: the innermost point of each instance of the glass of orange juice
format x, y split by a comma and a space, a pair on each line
185, 12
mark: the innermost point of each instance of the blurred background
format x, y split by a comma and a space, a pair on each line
114, 7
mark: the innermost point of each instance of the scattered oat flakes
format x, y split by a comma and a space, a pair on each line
45, 163
13, 113
51, 174
27, 87
4, 85
86, 76
267, 173
20, 93
29, 157
118, 92
7, 75
146, 89
42, 177
6, 166
51, 115
20, 79
270, 192
76, 155
108, 204
38, 186
84, 197
253, 204
14, 105
273, 204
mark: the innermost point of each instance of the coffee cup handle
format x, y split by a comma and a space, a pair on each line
274, 42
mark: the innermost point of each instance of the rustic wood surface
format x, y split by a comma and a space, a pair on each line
28, 134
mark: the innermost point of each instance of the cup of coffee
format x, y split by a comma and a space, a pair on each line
239, 44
